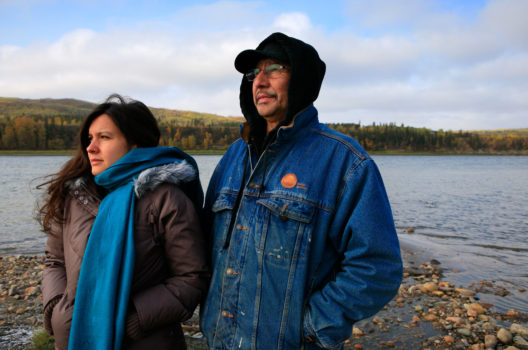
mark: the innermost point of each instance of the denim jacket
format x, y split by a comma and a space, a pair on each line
312, 249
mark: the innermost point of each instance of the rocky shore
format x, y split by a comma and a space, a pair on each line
428, 312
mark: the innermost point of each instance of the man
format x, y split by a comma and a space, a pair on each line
303, 240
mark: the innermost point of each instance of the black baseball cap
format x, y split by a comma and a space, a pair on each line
248, 59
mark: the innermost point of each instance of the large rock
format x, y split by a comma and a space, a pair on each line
520, 342
490, 341
504, 336
478, 308
518, 329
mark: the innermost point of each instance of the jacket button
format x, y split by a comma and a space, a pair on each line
226, 314
284, 218
230, 272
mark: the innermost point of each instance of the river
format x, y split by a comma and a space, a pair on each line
468, 212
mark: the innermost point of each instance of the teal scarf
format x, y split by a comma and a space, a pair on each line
105, 279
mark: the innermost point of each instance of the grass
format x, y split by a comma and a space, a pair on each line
72, 152
37, 152
42, 340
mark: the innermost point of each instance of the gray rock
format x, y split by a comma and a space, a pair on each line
518, 329
464, 331
12, 291
520, 342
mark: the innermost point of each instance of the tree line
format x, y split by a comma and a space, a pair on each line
60, 133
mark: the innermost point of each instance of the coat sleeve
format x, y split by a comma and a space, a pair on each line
54, 276
175, 299
369, 272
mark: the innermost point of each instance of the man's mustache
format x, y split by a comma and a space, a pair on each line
266, 93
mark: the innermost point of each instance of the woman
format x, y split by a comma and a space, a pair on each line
125, 257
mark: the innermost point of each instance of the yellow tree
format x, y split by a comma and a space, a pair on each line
25, 130
9, 137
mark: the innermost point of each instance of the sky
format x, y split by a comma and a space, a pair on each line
439, 64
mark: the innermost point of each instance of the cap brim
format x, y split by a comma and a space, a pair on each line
248, 59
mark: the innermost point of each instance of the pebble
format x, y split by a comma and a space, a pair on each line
427, 313
21, 299
478, 308
520, 342
429, 287
518, 329
357, 332
465, 292
504, 336
454, 319
512, 313
464, 331
449, 339
490, 341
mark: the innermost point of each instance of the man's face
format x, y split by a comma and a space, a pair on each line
270, 93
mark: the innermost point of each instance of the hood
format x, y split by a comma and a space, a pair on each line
180, 174
173, 173
307, 73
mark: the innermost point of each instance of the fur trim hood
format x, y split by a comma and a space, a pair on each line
173, 173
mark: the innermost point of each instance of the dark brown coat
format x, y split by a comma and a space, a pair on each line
170, 275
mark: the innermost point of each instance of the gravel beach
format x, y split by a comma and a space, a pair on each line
428, 312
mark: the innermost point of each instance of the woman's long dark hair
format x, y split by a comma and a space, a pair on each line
135, 121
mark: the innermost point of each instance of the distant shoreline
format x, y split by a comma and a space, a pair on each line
222, 151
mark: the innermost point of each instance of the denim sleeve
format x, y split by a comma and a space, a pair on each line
370, 270
210, 195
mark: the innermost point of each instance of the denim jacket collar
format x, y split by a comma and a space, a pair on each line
299, 125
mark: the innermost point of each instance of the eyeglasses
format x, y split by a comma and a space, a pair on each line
271, 71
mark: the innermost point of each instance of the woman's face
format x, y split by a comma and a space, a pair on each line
107, 144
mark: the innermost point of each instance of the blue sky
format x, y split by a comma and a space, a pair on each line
441, 64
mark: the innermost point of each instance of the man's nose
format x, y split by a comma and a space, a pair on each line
261, 79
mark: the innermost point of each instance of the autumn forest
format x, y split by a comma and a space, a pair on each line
51, 124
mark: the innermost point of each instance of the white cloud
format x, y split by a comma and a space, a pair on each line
431, 68
295, 23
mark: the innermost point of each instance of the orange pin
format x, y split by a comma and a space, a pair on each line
289, 180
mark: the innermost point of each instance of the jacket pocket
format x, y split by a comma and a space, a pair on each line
223, 210
61, 319
286, 233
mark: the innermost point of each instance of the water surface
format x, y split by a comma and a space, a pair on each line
468, 212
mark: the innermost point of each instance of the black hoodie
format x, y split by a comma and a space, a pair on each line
307, 73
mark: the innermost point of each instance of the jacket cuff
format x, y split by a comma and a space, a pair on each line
48, 312
133, 330
309, 336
